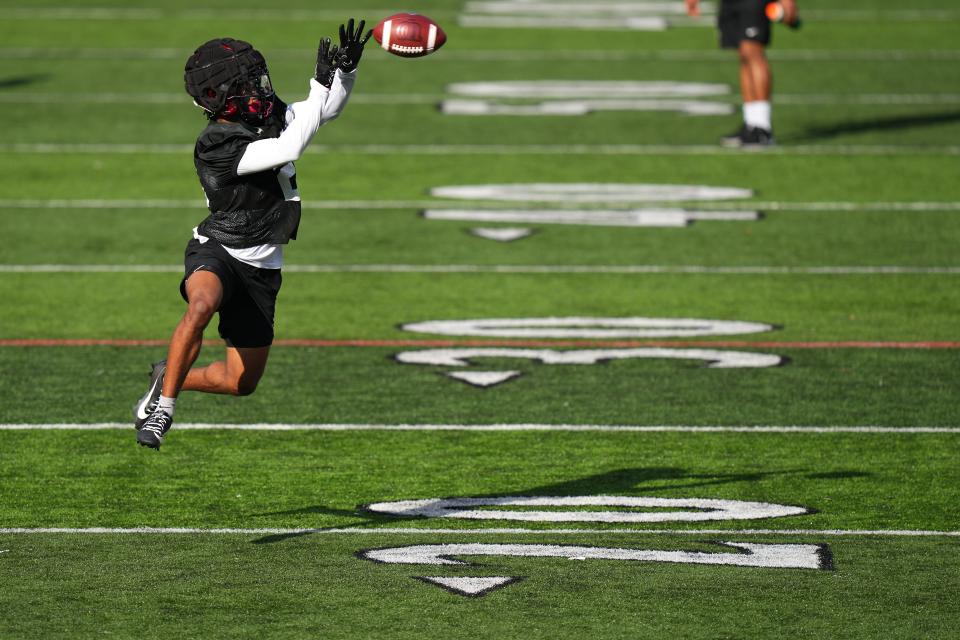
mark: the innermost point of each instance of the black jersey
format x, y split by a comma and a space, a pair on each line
248, 210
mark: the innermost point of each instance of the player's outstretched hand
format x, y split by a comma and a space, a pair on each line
326, 63
351, 45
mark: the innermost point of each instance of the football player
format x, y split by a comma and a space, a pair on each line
744, 26
244, 159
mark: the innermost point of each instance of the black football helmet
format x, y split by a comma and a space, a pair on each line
228, 79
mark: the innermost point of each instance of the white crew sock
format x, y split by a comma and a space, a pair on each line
757, 114
166, 404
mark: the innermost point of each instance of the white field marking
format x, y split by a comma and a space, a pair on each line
413, 98
500, 55
584, 327
380, 205
471, 587
714, 358
892, 533
578, 98
782, 556
561, 89
660, 217
791, 430
617, 23
483, 379
697, 509
506, 149
529, 7
589, 192
582, 107
501, 234
515, 269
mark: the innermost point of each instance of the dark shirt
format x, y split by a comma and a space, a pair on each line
248, 210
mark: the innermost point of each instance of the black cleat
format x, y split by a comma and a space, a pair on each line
755, 137
148, 403
735, 139
154, 428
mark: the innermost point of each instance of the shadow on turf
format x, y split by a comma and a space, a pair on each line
878, 124
366, 519
621, 481
22, 81
631, 480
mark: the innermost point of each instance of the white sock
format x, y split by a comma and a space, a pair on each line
166, 404
757, 114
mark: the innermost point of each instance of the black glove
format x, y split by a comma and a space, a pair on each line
326, 63
351, 45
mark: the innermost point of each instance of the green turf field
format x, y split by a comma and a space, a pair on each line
477, 482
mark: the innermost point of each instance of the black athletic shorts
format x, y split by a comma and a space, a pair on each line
741, 20
249, 293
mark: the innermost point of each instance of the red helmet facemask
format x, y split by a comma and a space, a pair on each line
252, 101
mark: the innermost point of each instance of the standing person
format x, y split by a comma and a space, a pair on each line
244, 159
744, 26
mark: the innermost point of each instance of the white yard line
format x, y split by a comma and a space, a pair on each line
381, 205
382, 531
516, 269
199, 426
506, 149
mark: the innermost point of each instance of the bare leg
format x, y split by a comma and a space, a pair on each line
237, 375
756, 80
204, 293
240, 371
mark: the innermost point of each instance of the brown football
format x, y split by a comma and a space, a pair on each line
409, 35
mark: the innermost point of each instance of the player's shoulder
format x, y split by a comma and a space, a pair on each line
222, 142
224, 135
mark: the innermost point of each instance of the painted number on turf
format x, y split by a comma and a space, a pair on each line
684, 509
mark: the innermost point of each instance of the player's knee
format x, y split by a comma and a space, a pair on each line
245, 386
751, 52
200, 311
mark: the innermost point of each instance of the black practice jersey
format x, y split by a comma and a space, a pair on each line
248, 210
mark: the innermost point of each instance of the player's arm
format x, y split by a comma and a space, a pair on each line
303, 120
790, 13
346, 60
693, 8
330, 88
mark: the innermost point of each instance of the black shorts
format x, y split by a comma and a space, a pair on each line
741, 20
249, 293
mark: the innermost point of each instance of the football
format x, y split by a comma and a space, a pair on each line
409, 35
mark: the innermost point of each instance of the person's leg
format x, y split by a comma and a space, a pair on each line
756, 81
246, 324
204, 293
236, 375
756, 84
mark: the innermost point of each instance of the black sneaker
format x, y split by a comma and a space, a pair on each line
154, 428
754, 137
735, 139
148, 403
